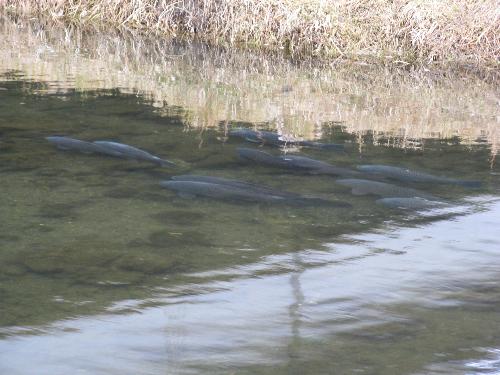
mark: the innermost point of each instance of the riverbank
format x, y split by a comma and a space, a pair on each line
458, 32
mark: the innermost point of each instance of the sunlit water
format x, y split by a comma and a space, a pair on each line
104, 272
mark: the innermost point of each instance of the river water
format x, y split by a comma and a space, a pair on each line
104, 272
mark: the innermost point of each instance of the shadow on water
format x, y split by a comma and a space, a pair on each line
81, 233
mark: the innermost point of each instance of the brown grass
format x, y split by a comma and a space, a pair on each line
406, 31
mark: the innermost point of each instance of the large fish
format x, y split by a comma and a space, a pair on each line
129, 152
220, 191
107, 148
316, 166
261, 157
234, 190
71, 144
274, 139
295, 162
365, 187
236, 183
414, 203
408, 175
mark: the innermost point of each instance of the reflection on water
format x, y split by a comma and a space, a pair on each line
400, 108
104, 272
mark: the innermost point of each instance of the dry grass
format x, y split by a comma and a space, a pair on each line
409, 31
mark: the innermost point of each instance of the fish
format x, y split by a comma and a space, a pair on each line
274, 139
235, 190
366, 187
414, 203
129, 152
408, 175
72, 144
220, 191
295, 162
316, 166
261, 157
236, 183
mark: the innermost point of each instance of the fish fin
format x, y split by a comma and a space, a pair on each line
186, 195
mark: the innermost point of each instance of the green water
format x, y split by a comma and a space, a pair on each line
97, 261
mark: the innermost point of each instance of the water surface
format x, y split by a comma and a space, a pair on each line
104, 272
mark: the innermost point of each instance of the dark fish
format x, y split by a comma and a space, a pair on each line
316, 166
129, 152
218, 191
261, 157
274, 139
71, 144
234, 190
236, 183
407, 175
415, 203
365, 187
294, 162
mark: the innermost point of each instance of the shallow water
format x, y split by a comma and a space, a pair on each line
104, 272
